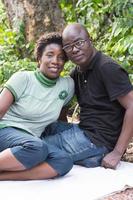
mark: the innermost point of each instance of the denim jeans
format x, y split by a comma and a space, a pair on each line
28, 149
31, 151
72, 140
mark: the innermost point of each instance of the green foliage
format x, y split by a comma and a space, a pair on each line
8, 67
15, 53
118, 39
68, 66
68, 8
110, 23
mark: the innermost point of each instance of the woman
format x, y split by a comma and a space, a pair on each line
29, 102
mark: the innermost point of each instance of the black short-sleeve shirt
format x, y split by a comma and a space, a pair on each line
97, 90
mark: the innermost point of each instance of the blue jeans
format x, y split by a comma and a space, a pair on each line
31, 151
27, 149
72, 140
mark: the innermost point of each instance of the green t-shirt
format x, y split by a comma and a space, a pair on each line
36, 104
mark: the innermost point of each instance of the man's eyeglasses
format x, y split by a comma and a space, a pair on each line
78, 44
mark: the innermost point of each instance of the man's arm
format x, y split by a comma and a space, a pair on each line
112, 159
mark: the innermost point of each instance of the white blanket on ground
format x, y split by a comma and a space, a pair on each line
79, 184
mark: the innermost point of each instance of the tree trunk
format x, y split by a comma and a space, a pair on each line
38, 16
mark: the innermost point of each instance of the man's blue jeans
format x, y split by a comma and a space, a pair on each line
72, 140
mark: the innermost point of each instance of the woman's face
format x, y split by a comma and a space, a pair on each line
52, 61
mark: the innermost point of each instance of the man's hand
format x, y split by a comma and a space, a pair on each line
111, 159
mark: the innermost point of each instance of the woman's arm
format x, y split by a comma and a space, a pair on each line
6, 100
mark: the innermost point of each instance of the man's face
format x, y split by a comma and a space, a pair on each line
77, 46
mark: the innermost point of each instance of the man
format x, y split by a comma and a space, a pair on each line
104, 93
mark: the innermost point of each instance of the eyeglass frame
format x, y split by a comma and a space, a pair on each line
74, 45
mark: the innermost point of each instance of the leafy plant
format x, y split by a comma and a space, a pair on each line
15, 53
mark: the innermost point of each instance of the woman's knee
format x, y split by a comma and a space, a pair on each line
61, 162
39, 150
31, 153
67, 165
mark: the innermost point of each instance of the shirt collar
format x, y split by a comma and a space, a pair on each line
44, 80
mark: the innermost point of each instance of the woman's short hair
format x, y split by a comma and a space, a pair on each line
46, 39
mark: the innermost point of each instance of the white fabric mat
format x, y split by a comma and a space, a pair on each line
79, 184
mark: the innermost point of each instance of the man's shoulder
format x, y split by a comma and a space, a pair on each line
106, 63
105, 59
